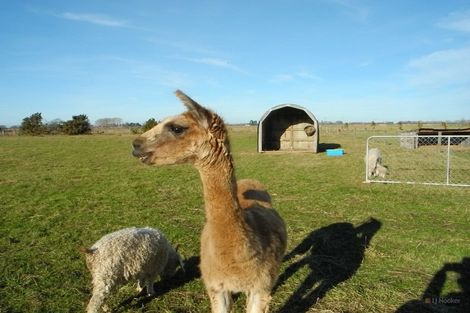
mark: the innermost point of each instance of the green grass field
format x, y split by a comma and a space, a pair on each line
355, 247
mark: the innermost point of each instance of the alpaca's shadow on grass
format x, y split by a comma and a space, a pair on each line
433, 299
332, 255
181, 278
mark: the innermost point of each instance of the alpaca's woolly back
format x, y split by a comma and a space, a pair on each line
251, 192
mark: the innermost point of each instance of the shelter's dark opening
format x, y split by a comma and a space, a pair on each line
288, 129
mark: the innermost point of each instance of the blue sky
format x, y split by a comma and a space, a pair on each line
342, 59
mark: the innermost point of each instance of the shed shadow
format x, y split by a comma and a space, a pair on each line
433, 299
322, 147
181, 278
332, 254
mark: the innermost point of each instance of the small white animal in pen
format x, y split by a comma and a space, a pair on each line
130, 254
374, 163
380, 171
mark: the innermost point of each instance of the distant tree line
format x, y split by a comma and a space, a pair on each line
79, 124
149, 124
34, 125
109, 122
117, 122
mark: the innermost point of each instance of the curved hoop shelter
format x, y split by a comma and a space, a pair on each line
288, 127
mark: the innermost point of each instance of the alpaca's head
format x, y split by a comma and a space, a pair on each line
197, 136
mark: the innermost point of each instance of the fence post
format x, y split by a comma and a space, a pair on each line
367, 160
448, 161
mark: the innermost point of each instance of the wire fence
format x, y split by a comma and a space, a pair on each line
433, 160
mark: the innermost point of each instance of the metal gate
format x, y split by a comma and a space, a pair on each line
413, 159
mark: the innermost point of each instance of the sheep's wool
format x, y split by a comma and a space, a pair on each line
129, 252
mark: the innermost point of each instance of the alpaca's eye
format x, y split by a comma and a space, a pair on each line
176, 129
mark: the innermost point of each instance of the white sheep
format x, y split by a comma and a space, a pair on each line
130, 254
373, 160
381, 171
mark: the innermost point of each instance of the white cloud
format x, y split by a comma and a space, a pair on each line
151, 72
221, 63
281, 78
458, 21
301, 75
442, 68
98, 19
365, 63
352, 9
307, 75
184, 46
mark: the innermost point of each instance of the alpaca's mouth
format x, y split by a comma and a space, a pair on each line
143, 157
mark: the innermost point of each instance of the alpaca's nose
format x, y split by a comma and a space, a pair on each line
137, 144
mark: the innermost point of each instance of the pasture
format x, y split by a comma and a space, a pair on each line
353, 247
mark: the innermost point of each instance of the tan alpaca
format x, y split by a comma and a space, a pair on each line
241, 246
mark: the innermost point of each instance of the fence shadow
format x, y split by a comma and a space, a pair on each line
433, 299
333, 254
191, 272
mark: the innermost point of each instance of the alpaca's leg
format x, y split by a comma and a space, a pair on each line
221, 301
258, 302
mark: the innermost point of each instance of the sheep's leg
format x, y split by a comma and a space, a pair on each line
258, 302
97, 299
149, 285
140, 285
221, 301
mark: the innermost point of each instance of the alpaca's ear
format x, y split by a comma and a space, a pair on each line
199, 112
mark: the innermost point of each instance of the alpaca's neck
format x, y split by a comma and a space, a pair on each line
220, 193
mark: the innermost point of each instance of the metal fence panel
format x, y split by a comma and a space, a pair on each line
412, 159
